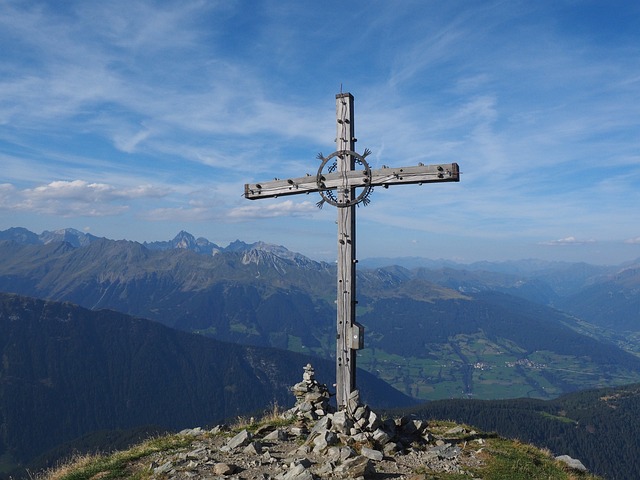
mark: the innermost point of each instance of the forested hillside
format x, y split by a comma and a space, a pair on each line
67, 371
599, 427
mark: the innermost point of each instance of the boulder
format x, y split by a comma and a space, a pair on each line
572, 462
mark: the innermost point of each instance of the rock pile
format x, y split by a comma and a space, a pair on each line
312, 397
313, 441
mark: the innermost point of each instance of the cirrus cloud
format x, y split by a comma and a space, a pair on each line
566, 241
75, 198
287, 208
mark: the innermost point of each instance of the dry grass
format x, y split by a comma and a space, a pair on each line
97, 466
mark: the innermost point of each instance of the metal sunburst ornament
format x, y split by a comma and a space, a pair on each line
328, 195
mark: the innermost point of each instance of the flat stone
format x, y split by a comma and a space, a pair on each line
326, 469
360, 437
218, 429
197, 454
322, 424
224, 468
361, 424
572, 462
359, 466
360, 412
164, 468
374, 421
381, 437
298, 472
277, 435
324, 440
240, 440
341, 422
372, 454
391, 448
300, 387
456, 431
340, 454
266, 458
254, 448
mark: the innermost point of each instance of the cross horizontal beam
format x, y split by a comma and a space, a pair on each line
446, 172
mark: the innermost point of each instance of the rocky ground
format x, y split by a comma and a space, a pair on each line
311, 441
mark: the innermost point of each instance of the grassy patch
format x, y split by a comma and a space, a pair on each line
512, 460
558, 418
273, 416
115, 465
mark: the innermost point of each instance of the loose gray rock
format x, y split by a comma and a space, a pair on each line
164, 468
224, 469
356, 467
296, 472
240, 440
278, 435
372, 454
191, 432
572, 462
381, 437
254, 448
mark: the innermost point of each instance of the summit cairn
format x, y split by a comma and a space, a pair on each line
312, 397
339, 434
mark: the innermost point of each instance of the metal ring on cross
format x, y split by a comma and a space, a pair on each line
328, 195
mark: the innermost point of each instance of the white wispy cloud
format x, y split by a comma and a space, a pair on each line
567, 241
75, 198
287, 208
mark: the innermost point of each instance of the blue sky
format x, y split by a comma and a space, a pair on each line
138, 119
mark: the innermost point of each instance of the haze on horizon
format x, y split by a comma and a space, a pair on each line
140, 119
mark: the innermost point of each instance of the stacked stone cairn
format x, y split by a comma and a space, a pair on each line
312, 397
341, 434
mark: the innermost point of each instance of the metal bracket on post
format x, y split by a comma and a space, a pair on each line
357, 336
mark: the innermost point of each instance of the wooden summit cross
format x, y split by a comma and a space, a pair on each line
338, 177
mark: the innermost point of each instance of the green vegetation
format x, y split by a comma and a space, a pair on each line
115, 465
512, 460
558, 418
472, 366
500, 459
596, 426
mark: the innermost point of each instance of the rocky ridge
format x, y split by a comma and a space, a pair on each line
313, 441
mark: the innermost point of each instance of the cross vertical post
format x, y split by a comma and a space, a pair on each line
346, 307
337, 186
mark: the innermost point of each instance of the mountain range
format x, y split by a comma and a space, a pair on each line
86, 346
489, 331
